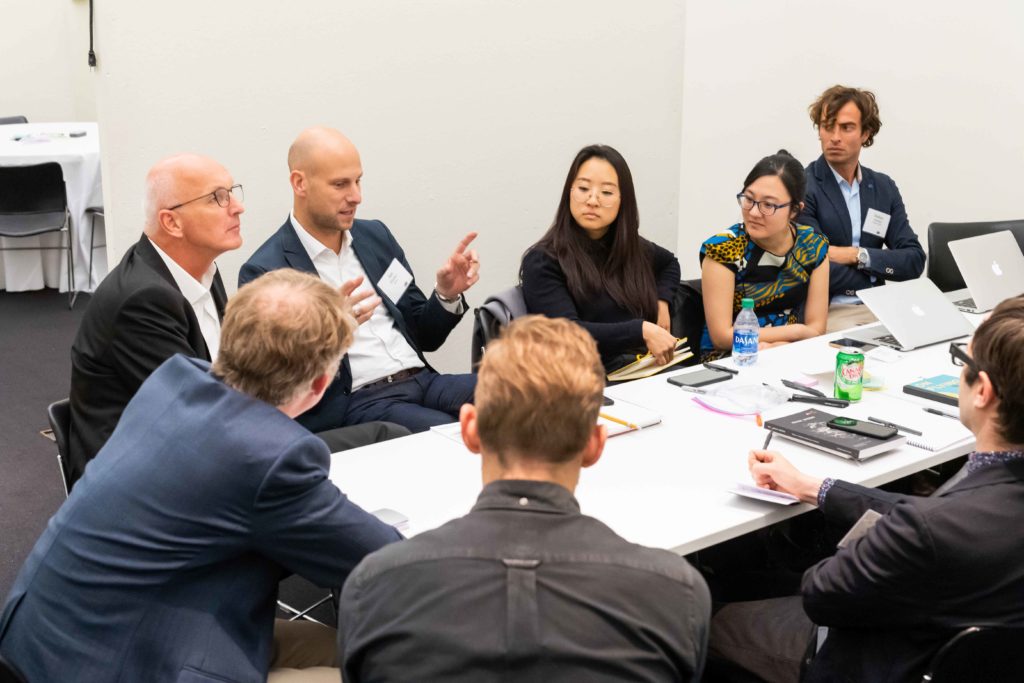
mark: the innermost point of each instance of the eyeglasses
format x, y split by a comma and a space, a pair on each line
605, 197
221, 194
958, 354
766, 208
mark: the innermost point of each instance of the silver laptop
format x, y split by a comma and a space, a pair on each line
992, 266
913, 314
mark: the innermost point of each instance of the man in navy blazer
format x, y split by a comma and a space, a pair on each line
384, 376
860, 211
929, 567
163, 563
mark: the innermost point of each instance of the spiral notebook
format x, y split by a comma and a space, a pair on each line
938, 432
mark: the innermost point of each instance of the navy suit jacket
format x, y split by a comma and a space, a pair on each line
163, 564
825, 211
136, 320
423, 321
929, 568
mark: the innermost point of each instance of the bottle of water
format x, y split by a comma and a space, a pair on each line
745, 333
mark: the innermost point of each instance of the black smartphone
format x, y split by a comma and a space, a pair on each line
700, 378
855, 343
862, 427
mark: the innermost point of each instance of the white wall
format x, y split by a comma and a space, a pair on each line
948, 76
44, 74
467, 114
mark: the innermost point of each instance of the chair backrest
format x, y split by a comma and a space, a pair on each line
687, 311
4, 120
9, 674
496, 312
942, 268
32, 189
59, 414
984, 653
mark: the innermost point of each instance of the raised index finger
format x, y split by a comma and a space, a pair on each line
465, 242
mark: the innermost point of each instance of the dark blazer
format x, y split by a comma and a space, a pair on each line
825, 211
163, 564
423, 321
136, 319
523, 588
929, 567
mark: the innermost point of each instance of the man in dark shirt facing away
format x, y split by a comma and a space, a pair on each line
525, 586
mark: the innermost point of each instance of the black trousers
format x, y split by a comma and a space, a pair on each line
345, 438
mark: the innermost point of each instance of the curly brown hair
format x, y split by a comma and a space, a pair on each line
824, 109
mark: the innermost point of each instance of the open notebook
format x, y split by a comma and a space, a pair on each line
939, 432
645, 366
625, 417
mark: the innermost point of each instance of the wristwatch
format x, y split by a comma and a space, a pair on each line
863, 259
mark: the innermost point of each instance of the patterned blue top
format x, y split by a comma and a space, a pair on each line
777, 284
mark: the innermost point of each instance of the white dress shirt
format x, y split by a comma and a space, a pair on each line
379, 349
199, 297
851, 194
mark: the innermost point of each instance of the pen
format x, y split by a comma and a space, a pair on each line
712, 366
886, 423
801, 387
618, 421
767, 440
933, 411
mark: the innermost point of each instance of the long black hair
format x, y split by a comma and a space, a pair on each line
625, 270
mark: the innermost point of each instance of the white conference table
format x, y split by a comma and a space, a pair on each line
79, 158
666, 486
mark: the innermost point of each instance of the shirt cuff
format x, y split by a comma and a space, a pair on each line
457, 307
823, 491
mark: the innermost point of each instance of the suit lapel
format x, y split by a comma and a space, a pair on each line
294, 253
827, 180
145, 250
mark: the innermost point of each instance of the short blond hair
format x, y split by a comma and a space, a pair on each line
539, 390
280, 332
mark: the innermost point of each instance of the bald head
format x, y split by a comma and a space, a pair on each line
177, 179
325, 174
316, 145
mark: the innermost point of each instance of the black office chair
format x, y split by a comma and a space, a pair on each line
490, 319
59, 414
687, 311
33, 201
9, 674
942, 268
984, 654
5, 120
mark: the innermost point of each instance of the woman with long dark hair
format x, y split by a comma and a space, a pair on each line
593, 267
782, 266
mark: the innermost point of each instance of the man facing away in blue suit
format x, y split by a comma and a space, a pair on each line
163, 563
384, 376
860, 211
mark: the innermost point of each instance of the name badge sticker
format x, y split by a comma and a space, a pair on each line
876, 223
395, 281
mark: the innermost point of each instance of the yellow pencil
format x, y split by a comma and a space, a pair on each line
618, 421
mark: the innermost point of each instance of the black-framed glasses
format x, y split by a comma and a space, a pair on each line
766, 208
222, 195
958, 354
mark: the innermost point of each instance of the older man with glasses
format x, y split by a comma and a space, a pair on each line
929, 567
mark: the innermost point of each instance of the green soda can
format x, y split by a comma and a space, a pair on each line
849, 373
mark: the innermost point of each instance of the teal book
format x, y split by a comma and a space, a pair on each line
941, 388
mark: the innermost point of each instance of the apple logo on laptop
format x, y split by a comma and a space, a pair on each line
996, 269
917, 310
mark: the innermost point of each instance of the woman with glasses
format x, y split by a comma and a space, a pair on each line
782, 266
593, 267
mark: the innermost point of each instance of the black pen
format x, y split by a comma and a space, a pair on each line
800, 387
933, 411
886, 423
712, 366
767, 440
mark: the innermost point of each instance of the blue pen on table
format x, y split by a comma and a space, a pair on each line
886, 423
933, 411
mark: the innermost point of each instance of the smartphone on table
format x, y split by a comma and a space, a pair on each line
855, 343
700, 378
862, 427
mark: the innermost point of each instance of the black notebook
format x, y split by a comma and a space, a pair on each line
810, 427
